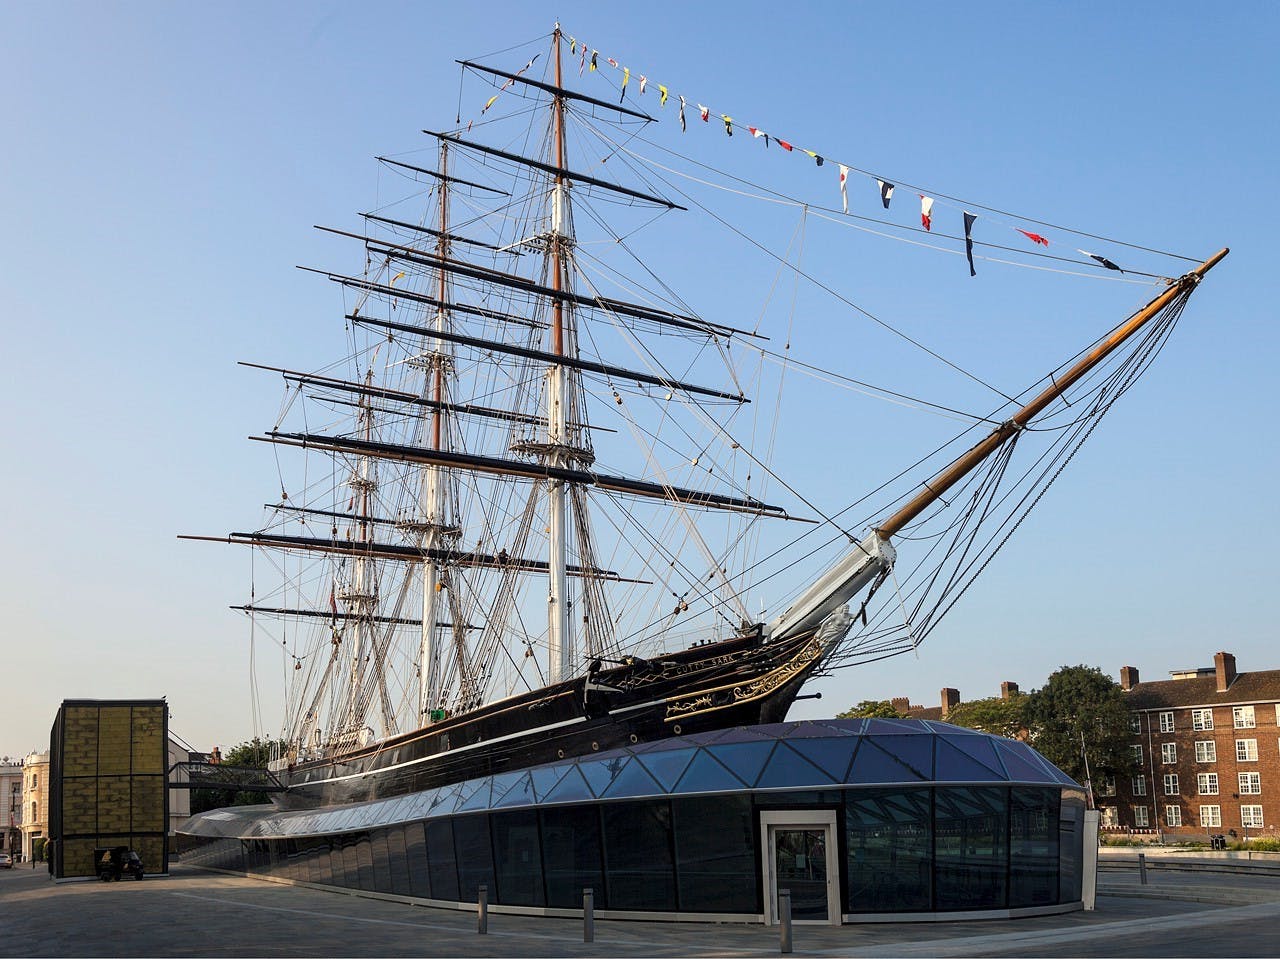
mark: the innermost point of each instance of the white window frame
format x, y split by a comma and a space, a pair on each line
1173, 816
1246, 750
1168, 753
1250, 784
1211, 817
1137, 755
1110, 817
1171, 784
1206, 784
1206, 751
1166, 722
1251, 817
1135, 722
1243, 717
1140, 817
1202, 719
1139, 785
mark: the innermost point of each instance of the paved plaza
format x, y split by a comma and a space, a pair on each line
196, 913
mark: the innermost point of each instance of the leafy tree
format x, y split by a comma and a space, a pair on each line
997, 716
1081, 711
871, 709
255, 753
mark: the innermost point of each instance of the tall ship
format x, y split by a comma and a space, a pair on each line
526, 516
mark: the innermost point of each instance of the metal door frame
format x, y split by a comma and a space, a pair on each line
773, 820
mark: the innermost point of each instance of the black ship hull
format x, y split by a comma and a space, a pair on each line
739, 681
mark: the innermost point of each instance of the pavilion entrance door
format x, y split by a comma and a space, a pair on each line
801, 853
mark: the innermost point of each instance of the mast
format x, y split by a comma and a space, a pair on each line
432, 504
559, 652
936, 487
875, 554
360, 594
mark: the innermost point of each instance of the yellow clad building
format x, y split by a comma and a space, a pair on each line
108, 779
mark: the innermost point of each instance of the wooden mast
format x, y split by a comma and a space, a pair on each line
935, 488
433, 493
559, 653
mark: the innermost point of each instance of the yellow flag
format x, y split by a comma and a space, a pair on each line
662, 95
488, 103
396, 277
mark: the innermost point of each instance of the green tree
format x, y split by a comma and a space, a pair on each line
997, 716
1081, 711
871, 709
255, 753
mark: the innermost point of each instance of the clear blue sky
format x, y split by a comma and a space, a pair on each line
163, 165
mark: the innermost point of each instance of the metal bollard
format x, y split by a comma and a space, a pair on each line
784, 920
1142, 867
588, 914
482, 910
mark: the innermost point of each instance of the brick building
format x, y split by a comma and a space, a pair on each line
1207, 746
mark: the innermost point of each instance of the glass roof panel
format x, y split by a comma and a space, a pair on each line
981, 748
873, 764
786, 767
477, 798
600, 772
946, 729
955, 765
831, 754
668, 766
519, 791
1022, 764
545, 779
707, 774
744, 759
743, 734
572, 788
806, 729
895, 727
634, 780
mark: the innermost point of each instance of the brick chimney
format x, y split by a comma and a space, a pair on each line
950, 700
1128, 677
1225, 665
901, 704
1007, 689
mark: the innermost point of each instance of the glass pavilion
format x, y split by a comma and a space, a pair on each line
863, 820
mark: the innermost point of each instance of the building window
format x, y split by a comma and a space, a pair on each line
1210, 816
1171, 784
1140, 816
1202, 719
1110, 817
1106, 785
1173, 816
1137, 755
1242, 716
1168, 753
1139, 785
1135, 722
1206, 751
1207, 784
1251, 816
1251, 784
1246, 750
1166, 722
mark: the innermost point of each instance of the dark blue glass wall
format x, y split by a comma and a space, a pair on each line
906, 849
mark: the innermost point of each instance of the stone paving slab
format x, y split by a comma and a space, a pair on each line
195, 913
